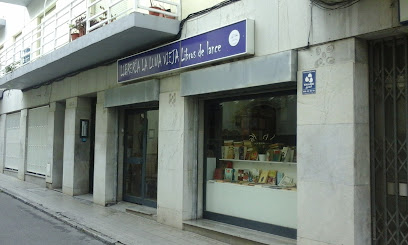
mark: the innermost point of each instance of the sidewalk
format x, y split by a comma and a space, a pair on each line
105, 223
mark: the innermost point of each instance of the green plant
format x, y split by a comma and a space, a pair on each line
158, 6
11, 67
78, 25
102, 17
263, 145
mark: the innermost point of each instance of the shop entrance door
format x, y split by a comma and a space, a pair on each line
140, 160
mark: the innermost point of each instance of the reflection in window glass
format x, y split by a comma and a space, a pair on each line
251, 159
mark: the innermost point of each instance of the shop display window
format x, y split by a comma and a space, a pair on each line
250, 170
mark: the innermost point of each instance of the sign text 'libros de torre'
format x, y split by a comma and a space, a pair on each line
226, 42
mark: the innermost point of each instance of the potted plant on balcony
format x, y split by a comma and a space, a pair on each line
155, 7
11, 67
77, 29
102, 18
160, 8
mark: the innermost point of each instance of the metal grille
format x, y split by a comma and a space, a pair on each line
13, 150
37, 135
389, 140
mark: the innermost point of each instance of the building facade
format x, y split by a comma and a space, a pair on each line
282, 117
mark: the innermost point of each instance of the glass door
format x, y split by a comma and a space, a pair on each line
140, 166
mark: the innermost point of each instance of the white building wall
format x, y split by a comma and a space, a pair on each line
170, 159
106, 153
274, 32
196, 5
280, 24
87, 82
284, 24
16, 17
20, 18
36, 7
2, 141
56, 124
334, 147
177, 170
76, 160
333, 192
22, 166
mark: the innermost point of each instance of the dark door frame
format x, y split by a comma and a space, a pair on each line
92, 132
140, 200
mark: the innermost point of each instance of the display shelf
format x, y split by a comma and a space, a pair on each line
266, 186
272, 206
256, 161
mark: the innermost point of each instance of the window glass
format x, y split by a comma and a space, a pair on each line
251, 170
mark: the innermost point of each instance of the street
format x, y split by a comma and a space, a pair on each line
22, 224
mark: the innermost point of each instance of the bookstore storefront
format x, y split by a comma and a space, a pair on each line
249, 142
246, 126
250, 161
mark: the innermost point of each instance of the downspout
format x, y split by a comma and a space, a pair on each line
45, 3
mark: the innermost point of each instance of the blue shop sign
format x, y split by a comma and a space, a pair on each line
226, 42
309, 82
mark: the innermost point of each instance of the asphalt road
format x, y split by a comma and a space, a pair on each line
24, 225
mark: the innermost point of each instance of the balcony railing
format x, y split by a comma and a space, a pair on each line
55, 29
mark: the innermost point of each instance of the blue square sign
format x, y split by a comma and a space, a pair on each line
309, 82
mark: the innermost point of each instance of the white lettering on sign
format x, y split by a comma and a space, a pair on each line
151, 62
186, 55
220, 44
203, 50
172, 57
200, 51
155, 61
213, 49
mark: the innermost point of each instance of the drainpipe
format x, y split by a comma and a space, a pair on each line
45, 3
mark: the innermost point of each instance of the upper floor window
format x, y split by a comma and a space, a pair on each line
17, 37
46, 29
47, 14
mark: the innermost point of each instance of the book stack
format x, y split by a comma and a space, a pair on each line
281, 153
238, 150
254, 177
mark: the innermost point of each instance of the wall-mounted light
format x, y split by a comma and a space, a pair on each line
84, 129
403, 12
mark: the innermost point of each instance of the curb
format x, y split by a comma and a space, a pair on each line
66, 220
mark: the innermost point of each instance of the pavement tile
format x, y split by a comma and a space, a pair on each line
110, 224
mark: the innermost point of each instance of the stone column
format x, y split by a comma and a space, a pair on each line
76, 153
177, 154
56, 117
333, 146
190, 168
106, 140
22, 162
2, 141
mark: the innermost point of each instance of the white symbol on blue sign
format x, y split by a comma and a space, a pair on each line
309, 82
234, 38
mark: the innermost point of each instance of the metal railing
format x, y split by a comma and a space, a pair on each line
54, 30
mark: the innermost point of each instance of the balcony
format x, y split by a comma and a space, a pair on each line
17, 2
110, 31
